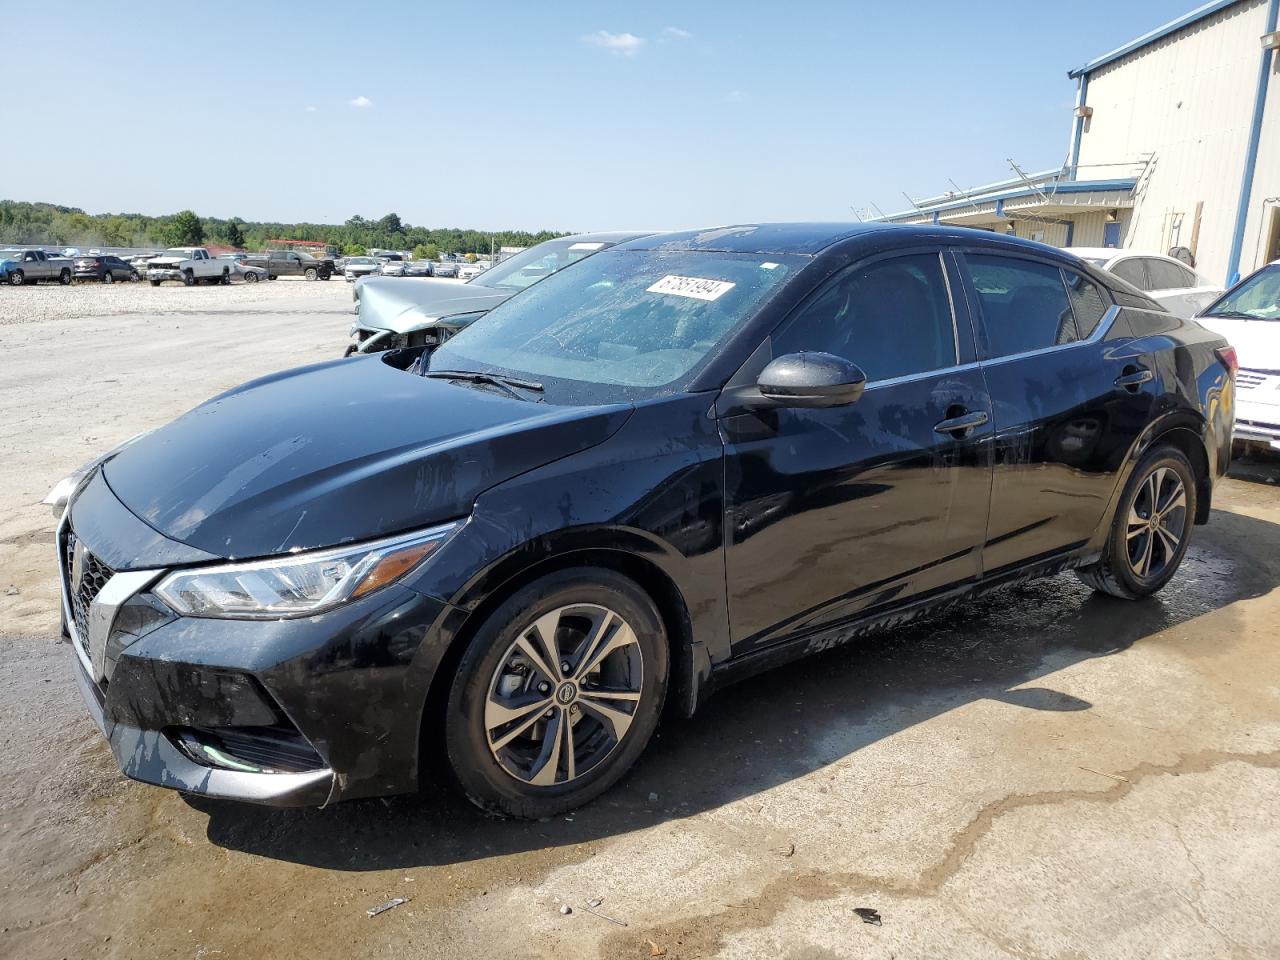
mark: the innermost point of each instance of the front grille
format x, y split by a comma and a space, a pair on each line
94, 575
1249, 379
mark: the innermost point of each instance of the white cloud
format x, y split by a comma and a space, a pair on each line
675, 33
361, 102
623, 44
311, 109
735, 96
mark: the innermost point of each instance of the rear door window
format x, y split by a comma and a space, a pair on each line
1132, 271
1169, 276
1024, 304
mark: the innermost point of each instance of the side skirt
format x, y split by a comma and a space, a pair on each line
828, 638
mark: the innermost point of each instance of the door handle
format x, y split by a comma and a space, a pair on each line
966, 421
1136, 377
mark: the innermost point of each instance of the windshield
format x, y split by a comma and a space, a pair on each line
356, 261
1258, 298
537, 263
624, 325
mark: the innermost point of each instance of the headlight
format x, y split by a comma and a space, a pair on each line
300, 584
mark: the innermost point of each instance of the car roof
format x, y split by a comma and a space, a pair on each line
1112, 253
809, 239
612, 237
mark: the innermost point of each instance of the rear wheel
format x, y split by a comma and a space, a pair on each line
557, 693
226, 277
64, 277
1151, 528
251, 277
108, 277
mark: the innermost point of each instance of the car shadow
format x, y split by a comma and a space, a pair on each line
787, 723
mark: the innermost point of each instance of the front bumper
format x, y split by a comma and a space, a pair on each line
154, 274
297, 712
1257, 422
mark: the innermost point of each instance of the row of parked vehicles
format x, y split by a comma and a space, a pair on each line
395, 265
617, 473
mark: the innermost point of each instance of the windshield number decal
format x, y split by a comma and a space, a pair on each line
694, 287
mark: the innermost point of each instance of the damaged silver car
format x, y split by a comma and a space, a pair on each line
396, 312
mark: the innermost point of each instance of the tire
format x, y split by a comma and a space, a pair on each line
188, 279
108, 277
64, 277
155, 283
134, 276
250, 277
226, 278
17, 278
326, 275
1139, 558
311, 273
501, 663
272, 276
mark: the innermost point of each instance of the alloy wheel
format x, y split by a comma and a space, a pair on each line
564, 694
1157, 523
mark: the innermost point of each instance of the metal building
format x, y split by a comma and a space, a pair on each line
1174, 143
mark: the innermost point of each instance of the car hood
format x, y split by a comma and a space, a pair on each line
342, 451
165, 261
1257, 342
404, 304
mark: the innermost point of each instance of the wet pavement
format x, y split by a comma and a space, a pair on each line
1041, 773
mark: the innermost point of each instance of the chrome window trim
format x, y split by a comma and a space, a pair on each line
951, 302
1099, 334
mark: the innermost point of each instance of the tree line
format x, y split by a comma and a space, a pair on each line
52, 225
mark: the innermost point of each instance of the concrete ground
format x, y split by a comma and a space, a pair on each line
1047, 773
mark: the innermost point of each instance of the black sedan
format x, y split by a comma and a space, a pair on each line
103, 267
676, 463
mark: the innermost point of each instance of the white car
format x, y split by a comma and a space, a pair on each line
1171, 282
467, 271
392, 268
1248, 315
356, 267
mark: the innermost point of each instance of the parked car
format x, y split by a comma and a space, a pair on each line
391, 268
242, 269
31, 266
104, 267
469, 271
1248, 315
290, 263
356, 267
418, 268
444, 269
1168, 281
190, 265
392, 314
667, 468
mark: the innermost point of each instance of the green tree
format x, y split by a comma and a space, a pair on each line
184, 230
233, 234
426, 251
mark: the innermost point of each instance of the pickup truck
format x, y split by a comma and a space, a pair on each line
191, 265
288, 263
31, 266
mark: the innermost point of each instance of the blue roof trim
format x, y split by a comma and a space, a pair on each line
1049, 190
1199, 13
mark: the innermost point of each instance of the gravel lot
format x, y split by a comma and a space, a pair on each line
1046, 773
38, 303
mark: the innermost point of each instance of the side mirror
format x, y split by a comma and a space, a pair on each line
811, 380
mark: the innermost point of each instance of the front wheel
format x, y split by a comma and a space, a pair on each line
557, 693
188, 279
310, 273
155, 283
250, 277
1150, 530
17, 278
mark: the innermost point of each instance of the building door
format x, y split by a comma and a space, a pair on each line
1111, 234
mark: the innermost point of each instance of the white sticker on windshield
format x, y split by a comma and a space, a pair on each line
769, 266
695, 287
585, 246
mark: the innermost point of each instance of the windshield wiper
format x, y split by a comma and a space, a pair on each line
1238, 315
507, 384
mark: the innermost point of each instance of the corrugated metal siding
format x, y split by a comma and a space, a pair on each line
1266, 177
1189, 100
1089, 229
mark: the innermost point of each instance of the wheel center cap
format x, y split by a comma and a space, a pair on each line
566, 693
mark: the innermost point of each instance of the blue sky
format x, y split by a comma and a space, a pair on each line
564, 115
